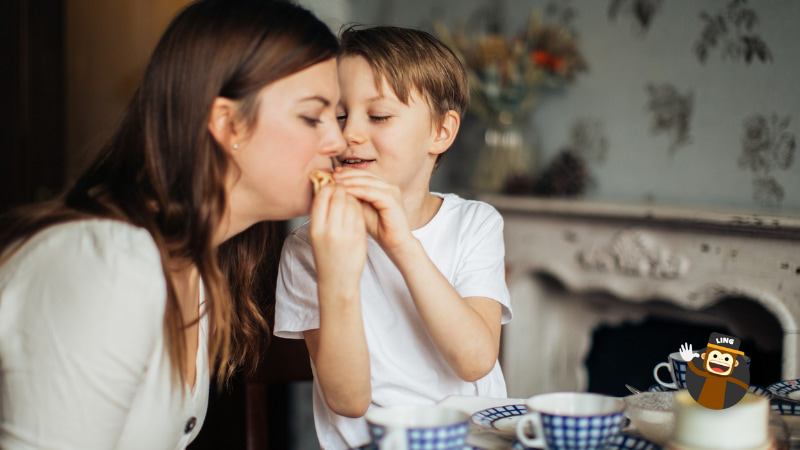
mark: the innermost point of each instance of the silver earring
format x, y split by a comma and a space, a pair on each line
235, 146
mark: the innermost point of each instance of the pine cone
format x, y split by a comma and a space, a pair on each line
567, 176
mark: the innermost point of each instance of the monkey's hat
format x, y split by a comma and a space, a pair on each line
724, 342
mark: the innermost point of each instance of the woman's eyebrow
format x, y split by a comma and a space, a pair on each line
319, 98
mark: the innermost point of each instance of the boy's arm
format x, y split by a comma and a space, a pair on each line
339, 348
466, 331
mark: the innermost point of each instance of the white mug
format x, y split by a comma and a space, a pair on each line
417, 427
571, 421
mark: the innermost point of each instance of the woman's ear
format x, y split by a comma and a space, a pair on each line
222, 123
446, 133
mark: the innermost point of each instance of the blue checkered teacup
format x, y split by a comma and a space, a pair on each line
571, 421
677, 372
418, 428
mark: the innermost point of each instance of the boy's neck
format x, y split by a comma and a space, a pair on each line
421, 208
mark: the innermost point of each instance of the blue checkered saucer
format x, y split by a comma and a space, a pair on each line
500, 419
620, 442
784, 390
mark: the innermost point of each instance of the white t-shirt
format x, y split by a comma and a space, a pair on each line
83, 363
465, 242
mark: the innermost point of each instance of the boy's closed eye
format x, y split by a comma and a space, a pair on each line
342, 119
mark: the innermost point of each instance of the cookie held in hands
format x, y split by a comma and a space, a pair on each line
320, 178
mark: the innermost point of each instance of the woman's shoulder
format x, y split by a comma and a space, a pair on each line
84, 277
90, 249
102, 238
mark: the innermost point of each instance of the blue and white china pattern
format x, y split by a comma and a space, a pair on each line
758, 390
677, 372
620, 442
783, 389
630, 443
451, 437
489, 418
579, 433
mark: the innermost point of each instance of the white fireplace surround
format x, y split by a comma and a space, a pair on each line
615, 259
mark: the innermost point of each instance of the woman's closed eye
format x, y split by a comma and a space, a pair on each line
312, 121
379, 119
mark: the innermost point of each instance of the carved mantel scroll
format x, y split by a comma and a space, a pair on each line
635, 253
690, 258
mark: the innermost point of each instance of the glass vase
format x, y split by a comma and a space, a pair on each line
507, 152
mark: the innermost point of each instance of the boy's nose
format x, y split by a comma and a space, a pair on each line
353, 133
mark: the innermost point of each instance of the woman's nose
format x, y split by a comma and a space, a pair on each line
334, 143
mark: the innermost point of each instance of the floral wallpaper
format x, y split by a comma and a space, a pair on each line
685, 102
731, 31
671, 112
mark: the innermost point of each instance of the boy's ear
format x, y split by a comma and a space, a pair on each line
222, 123
447, 133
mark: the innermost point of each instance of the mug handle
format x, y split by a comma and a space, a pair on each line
536, 422
394, 439
671, 385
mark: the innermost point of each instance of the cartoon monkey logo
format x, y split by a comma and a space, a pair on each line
723, 376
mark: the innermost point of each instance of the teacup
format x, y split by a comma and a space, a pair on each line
418, 428
677, 372
571, 421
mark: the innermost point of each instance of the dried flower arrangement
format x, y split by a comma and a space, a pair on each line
506, 74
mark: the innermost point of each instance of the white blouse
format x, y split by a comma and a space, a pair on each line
83, 363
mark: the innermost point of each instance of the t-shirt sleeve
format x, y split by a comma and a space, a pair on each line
296, 302
481, 269
83, 313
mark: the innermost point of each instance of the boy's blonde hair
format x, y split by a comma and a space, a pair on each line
411, 59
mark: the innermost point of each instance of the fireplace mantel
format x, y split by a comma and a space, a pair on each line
687, 257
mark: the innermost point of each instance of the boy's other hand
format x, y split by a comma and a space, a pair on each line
384, 214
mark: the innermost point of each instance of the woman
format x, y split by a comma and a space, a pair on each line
119, 299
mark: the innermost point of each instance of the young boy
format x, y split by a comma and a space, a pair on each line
425, 322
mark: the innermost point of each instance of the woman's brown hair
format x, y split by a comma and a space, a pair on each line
163, 171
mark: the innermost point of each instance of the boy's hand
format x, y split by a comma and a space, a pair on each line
338, 239
384, 215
